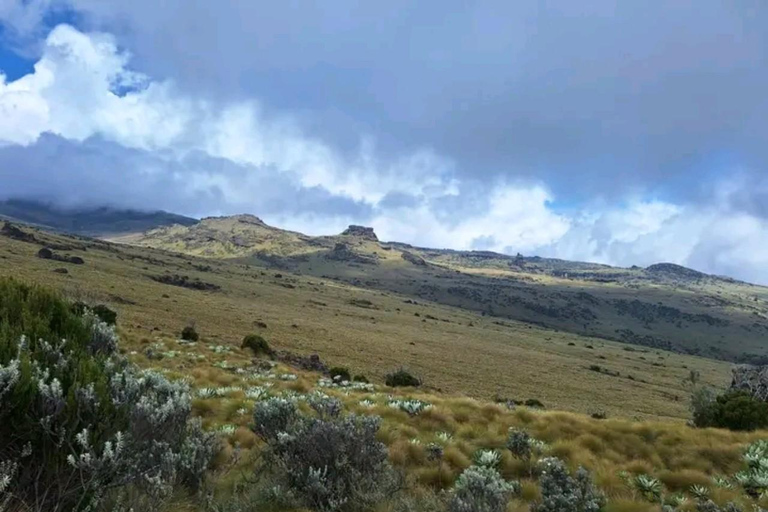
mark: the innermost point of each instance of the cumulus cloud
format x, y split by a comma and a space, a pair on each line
86, 128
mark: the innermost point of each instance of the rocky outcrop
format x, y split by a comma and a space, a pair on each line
413, 258
12, 231
753, 379
343, 252
361, 232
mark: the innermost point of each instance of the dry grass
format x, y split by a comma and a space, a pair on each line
643, 434
461, 353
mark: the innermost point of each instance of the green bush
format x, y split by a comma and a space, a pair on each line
189, 334
734, 410
104, 313
257, 344
340, 373
360, 378
78, 422
402, 378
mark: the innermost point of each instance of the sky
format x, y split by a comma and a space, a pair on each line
624, 132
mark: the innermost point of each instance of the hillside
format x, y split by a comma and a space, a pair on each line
88, 221
663, 306
455, 350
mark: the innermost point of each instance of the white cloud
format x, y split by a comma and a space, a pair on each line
125, 138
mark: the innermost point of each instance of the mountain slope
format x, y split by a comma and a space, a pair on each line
663, 306
88, 221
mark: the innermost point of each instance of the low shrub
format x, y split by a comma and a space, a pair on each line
560, 492
360, 378
104, 313
77, 422
257, 344
340, 373
401, 378
330, 462
734, 410
481, 489
189, 334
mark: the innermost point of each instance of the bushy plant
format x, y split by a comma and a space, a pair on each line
189, 333
649, 488
734, 410
560, 492
340, 373
257, 344
711, 506
332, 463
754, 479
104, 313
519, 443
401, 378
78, 422
481, 489
274, 416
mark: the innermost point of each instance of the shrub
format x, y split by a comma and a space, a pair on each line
703, 407
560, 492
481, 489
273, 416
332, 463
402, 378
104, 313
189, 334
754, 479
257, 344
734, 410
519, 443
340, 374
76, 421
360, 378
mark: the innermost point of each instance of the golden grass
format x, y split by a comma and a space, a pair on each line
645, 431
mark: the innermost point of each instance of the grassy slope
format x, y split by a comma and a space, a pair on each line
454, 350
697, 314
317, 315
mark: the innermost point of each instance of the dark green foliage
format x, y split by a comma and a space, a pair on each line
738, 410
340, 373
257, 344
402, 378
734, 410
104, 313
189, 334
360, 378
76, 421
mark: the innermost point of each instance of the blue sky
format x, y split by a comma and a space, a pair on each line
610, 131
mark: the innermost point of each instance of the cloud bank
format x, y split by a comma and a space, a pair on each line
94, 125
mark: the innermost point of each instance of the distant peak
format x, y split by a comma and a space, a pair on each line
361, 232
245, 218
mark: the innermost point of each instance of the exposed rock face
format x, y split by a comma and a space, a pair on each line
753, 379
413, 258
342, 252
361, 232
12, 231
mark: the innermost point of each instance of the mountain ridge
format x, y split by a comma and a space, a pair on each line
661, 306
